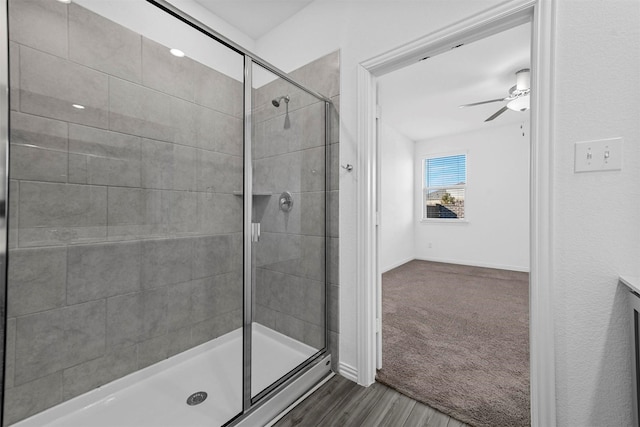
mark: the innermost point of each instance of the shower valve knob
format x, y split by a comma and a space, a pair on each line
286, 201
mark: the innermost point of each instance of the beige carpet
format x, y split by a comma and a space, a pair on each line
457, 338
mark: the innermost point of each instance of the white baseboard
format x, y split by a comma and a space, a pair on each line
348, 371
475, 264
397, 264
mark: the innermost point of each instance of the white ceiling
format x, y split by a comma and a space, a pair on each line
421, 101
255, 18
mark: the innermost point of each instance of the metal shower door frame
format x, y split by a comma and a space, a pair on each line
4, 185
250, 404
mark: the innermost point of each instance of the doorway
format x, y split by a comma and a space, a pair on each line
454, 200
492, 21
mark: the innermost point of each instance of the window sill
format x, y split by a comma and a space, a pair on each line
444, 221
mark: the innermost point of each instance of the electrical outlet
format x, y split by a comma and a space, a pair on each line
599, 155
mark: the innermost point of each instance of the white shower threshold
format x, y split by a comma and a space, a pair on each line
156, 396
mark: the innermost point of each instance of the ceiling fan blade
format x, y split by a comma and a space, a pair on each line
497, 113
483, 102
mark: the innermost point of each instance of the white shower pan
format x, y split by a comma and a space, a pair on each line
157, 395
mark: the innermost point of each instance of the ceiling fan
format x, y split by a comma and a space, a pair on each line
518, 99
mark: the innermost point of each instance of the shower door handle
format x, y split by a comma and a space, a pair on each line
255, 231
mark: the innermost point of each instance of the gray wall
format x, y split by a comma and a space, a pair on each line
290, 257
125, 234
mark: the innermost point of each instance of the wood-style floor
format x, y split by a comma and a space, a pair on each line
342, 403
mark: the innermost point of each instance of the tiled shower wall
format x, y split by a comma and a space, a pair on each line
290, 258
125, 233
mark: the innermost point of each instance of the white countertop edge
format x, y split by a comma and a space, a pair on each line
632, 282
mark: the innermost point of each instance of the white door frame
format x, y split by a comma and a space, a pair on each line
506, 15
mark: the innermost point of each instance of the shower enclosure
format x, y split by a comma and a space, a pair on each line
167, 225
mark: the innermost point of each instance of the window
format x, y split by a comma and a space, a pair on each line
444, 187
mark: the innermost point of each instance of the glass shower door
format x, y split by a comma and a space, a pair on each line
288, 229
125, 232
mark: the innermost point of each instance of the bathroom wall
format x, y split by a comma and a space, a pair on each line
125, 234
397, 219
290, 257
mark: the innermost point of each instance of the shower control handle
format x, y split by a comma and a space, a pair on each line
286, 202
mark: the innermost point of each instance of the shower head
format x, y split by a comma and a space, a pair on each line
276, 101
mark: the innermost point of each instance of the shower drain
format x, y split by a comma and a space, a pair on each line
197, 398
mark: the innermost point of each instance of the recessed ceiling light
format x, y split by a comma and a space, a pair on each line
177, 52
65, 1
78, 106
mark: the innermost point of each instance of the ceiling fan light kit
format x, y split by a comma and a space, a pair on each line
518, 99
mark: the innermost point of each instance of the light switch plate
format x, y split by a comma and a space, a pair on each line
599, 155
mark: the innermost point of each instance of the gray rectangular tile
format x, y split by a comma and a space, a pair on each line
14, 76
50, 86
312, 213
334, 260
307, 130
218, 132
290, 326
166, 261
314, 335
50, 204
214, 255
53, 340
135, 213
213, 328
265, 316
335, 169
184, 121
218, 91
14, 205
204, 298
152, 351
103, 158
165, 72
312, 169
180, 212
136, 317
216, 295
219, 172
39, 24
102, 44
179, 306
39, 132
33, 397
102, 270
311, 307
89, 375
219, 213
277, 248
137, 110
333, 311
334, 119
179, 341
168, 166
333, 213
334, 349
272, 290
38, 148
10, 358
37, 164
37, 280
293, 254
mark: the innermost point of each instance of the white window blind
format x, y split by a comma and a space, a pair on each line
444, 187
